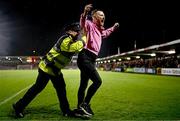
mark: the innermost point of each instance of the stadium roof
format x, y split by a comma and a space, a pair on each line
163, 49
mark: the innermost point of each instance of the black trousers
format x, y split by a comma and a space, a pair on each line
41, 82
86, 63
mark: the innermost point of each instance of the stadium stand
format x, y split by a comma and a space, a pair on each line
155, 59
26, 62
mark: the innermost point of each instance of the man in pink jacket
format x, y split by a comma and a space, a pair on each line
95, 32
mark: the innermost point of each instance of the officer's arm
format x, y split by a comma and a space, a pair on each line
78, 45
75, 46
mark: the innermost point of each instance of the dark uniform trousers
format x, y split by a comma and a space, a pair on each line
41, 82
86, 63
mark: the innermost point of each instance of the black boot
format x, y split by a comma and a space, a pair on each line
18, 112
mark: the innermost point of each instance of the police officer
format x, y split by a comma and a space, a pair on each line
50, 69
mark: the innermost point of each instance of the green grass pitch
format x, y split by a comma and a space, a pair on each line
122, 96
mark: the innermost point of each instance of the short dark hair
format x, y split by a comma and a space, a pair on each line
73, 26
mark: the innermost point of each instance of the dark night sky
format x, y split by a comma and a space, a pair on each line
27, 25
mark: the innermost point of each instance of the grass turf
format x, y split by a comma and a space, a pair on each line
122, 96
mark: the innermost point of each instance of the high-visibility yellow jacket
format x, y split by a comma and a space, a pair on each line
61, 54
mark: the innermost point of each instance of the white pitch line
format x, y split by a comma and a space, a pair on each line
8, 99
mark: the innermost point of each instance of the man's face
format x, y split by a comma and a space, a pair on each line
99, 18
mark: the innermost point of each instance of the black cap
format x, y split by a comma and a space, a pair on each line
73, 26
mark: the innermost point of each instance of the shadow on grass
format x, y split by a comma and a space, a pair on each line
49, 112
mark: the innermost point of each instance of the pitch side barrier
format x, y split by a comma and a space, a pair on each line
170, 71
137, 70
160, 71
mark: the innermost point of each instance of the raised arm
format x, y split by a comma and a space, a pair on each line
108, 31
87, 9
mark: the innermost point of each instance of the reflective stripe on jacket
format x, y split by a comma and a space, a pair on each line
61, 54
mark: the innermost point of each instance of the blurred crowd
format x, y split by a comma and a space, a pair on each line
158, 62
